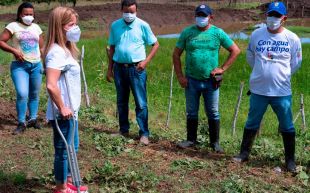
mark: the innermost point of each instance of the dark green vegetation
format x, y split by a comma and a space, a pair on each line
117, 164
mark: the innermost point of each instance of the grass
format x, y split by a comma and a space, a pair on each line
120, 165
300, 30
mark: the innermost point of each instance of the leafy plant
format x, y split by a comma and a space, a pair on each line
268, 149
16, 178
109, 145
233, 184
114, 180
188, 164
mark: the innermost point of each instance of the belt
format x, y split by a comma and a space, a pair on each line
203, 80
127, 64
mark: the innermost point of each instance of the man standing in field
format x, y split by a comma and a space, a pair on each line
202, 43
128, 61
274, 54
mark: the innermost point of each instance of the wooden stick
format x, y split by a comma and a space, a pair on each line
170, 97
296, 116
237, 108
84, 79
302, 111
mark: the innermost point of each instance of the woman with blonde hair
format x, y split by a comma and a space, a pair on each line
64, 100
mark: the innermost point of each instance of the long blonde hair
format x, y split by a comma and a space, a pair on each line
59, 17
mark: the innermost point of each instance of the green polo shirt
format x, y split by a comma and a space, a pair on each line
130, 40
202, 50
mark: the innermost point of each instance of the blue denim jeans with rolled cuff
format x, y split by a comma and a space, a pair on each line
27, 78
194, 90
282, 106
128, 78
61, 165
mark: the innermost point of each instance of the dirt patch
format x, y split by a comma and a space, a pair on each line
171, 16
7, 116
8, 119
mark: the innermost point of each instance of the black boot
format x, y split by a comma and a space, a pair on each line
289, 148
192, 127
214, 135
21, 127
246, 145
34, 123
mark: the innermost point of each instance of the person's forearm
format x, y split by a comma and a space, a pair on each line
55, 95
177, 66
110, 55
4, 46
230, 60
152, 52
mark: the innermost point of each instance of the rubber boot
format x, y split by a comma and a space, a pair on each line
21, 127
214, 135
246, 145
192, 127
289, 148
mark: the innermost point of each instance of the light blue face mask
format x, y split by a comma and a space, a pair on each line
202, 21
273, 23
129, 17
73, 34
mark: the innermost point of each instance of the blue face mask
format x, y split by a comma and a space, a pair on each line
202, 21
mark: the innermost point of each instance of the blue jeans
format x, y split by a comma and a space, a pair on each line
126, 79
193, 91
27, 78
61, 167
280, 105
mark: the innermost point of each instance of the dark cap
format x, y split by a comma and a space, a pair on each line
203, 9
277, 7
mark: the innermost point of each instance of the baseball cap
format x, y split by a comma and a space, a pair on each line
203, 9
278, 7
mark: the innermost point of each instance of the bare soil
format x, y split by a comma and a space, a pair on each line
7, 116
157, 15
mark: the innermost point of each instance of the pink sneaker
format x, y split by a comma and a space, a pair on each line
72, 189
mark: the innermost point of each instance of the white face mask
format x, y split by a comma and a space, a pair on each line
73, 34
129, 17
273, 23
28, 19
202, 21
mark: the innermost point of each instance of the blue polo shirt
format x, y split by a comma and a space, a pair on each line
130, 40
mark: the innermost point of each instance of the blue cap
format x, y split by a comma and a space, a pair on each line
203, 9
278, 7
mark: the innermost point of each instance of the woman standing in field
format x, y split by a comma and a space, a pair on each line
26, 69
61, 56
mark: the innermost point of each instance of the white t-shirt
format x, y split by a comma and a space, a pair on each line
274, 58
61, 59
26, 39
